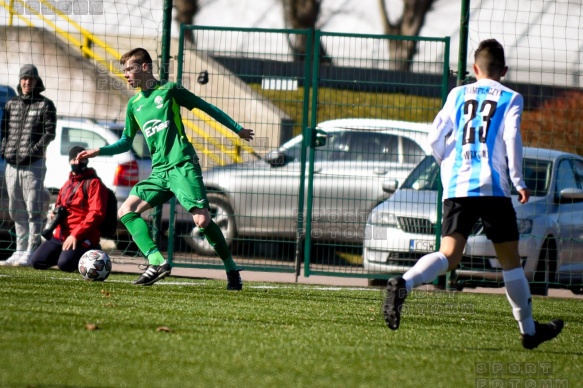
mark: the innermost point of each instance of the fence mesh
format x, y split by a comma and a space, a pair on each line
270, 81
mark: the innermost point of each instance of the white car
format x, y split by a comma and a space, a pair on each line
119, 172
402, 229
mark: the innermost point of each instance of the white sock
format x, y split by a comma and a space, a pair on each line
518, 295
426, 270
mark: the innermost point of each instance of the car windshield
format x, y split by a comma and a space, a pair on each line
536, 172
424, 177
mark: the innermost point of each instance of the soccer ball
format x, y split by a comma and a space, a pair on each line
95, 265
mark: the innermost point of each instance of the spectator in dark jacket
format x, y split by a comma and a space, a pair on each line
28, 126
83, 201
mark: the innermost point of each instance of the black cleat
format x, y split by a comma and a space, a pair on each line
395, 296
544, 332
153, 273
234, 282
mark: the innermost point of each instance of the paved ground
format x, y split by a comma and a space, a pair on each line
130, 265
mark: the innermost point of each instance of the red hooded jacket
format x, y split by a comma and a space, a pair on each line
84, 214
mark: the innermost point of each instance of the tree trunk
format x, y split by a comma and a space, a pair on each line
303, 14
186, 10
402, 51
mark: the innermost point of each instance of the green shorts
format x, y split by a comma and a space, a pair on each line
183, 181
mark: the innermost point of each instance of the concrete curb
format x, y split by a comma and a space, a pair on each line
131, 266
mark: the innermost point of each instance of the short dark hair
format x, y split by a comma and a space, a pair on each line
139, 55
489, 57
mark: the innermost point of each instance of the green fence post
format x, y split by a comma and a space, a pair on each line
463, 47
311, 133
164, 63
305, 142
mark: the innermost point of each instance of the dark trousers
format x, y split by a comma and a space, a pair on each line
51, 253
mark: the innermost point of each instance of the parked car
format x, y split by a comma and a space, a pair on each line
402, 229
260, 198
118, 172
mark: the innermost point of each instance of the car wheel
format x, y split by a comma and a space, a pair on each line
222, 215
544, 269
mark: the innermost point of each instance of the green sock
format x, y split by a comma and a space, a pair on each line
215, 237
155, 258
140, 232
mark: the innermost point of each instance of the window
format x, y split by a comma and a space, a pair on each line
79, 137
537, 176
139, 145
566, 176
578, 173
368, 147
412, 152
361, 146
338, 141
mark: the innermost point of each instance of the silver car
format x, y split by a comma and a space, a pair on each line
402, 229
260, 198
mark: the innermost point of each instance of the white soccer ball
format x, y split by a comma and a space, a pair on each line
95, 265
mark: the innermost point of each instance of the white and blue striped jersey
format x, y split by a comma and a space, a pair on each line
476, 140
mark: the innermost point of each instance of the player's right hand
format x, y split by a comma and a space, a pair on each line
86, 155
523, 195
246, 134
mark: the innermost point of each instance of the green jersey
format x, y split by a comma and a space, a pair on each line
156, 112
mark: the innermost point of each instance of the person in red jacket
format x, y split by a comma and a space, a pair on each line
78, 213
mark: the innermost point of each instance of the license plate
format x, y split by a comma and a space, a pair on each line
421, 246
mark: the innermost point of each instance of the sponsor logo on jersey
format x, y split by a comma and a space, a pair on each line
139, 108
154, 126
158, 101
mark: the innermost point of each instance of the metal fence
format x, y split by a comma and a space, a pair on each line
360, 112
306, 204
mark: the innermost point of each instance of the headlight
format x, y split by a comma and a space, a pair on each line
383, 219
524, 226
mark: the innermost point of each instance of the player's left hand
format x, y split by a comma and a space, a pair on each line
246, 134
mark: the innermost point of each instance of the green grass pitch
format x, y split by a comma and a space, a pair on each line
185, 332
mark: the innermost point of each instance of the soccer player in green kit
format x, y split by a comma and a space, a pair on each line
176, 171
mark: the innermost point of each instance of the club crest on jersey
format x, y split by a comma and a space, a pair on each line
154, 126
158, 101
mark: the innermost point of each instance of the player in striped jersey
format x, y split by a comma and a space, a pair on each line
476, 140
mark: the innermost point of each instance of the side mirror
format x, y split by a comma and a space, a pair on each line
276, 159
390, 186
319, 138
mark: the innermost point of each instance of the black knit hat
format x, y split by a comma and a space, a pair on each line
29, 70
73, 152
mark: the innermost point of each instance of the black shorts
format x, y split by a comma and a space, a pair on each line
497, 214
